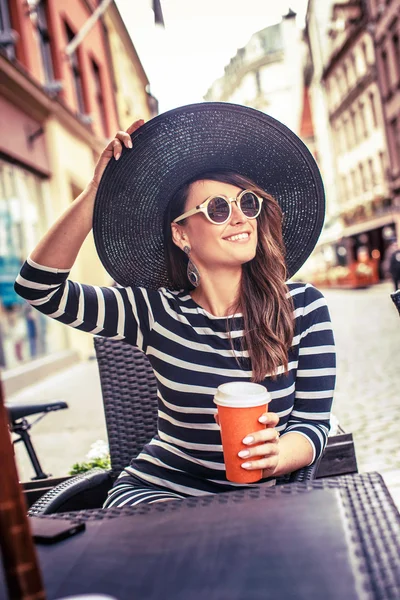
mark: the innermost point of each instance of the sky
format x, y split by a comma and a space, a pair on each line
200, 37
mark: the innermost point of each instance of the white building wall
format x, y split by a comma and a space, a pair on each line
319, 16
280, 72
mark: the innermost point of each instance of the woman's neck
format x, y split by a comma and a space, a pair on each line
218, 293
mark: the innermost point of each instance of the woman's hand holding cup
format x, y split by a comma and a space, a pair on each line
245, 430
263, 446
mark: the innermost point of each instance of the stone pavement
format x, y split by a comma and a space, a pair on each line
367, 399
65, 436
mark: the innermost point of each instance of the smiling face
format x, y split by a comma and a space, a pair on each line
216, 246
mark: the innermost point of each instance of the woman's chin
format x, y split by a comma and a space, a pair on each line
244, 258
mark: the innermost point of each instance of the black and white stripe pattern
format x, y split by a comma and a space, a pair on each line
129, 491
191, 355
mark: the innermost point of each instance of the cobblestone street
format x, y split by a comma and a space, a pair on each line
367, 399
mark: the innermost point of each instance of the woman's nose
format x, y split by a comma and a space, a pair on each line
237, 215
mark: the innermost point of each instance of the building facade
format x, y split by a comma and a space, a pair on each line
317, 21
131, 85
57, 112
363, 210
267, 74
385, 28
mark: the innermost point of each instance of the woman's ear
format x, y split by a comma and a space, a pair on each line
179, 236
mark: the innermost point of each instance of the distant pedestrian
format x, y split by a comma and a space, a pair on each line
391, 264
394, 268
31, 324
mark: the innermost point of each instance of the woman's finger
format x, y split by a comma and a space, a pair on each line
114, 149
269, 419
260, 450
269, 464
135, 125
125, 138
259, 437
117, 148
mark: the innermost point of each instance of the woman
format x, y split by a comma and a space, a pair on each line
183, 223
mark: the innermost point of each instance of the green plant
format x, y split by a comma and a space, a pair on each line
97, 457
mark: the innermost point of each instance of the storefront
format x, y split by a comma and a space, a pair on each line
23, 333
371, 242
355, 256
24, 172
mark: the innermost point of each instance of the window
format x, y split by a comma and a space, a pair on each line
346, 76
383, 164
364, 128
364, 51
340, 137
354, 126
394, 138
373, 109
363, 182
347, 133
99, 97
7, 38
396, 51
21, 224
76, 73
353, 65
332, 92
338, 140
372, 174
340, 85
350, 186
344, 188
354, 182
385, 72
258, 82
44, 40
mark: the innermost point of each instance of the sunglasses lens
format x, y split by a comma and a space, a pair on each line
250, 205
218, 209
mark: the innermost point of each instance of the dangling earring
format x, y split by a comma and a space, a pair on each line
192, 271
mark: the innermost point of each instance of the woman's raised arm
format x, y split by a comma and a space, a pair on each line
60, 246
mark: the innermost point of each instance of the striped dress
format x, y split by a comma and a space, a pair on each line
191, 354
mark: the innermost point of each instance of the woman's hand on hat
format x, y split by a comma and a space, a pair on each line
262, 447
114, 150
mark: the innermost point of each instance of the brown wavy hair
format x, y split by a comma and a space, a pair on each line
263, 300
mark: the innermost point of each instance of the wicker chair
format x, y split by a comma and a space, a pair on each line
130, 405
396, 299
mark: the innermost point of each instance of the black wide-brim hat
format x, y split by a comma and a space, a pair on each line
174, 147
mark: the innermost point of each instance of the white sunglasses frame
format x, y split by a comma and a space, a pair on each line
203, 207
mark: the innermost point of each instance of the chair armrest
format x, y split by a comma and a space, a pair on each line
339, 457
396, 299
88, 490
303, 474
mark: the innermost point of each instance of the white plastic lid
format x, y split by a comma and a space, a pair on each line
241, 394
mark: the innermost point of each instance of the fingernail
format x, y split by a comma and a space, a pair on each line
243, 453
129, 143
246, 465
263, 419
117, 156
248, 440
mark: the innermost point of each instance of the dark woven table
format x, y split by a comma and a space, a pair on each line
372, 517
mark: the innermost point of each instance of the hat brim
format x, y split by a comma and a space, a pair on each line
177, 145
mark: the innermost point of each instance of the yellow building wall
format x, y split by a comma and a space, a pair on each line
131, 97
72, 164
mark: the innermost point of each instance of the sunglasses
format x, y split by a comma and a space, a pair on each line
218, 209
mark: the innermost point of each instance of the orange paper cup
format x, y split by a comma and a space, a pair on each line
240, 405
